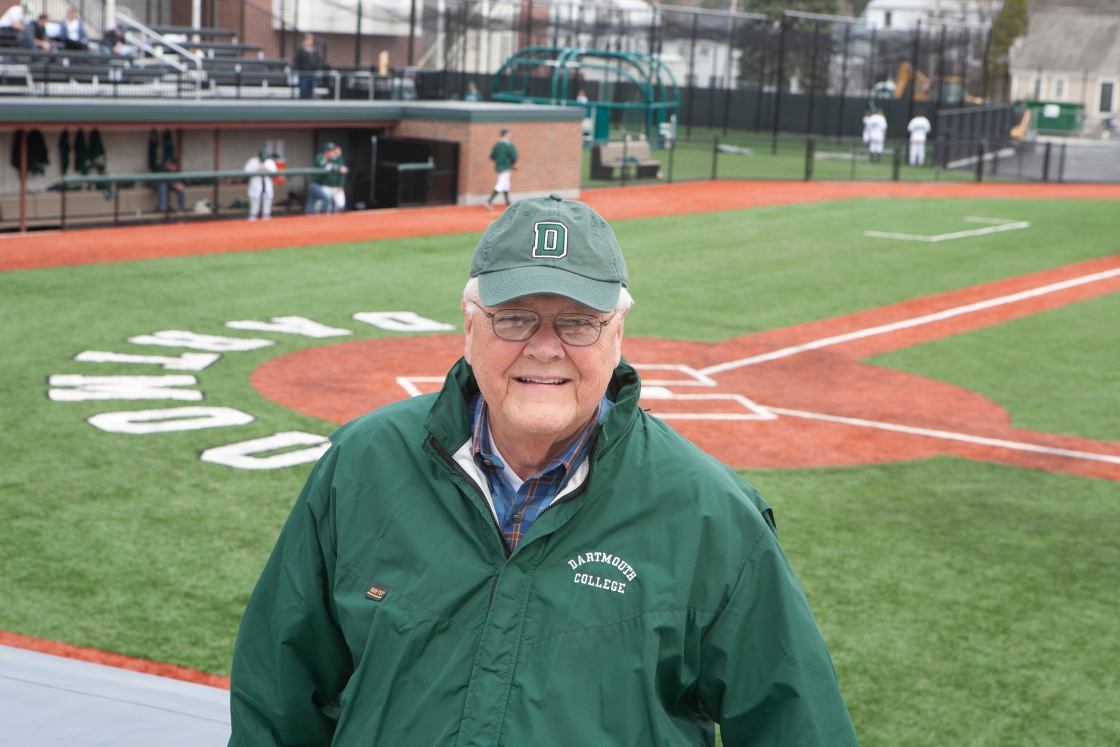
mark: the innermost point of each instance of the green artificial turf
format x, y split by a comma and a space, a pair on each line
967, 576
1057, 372
963, 603
715, 276
692, 159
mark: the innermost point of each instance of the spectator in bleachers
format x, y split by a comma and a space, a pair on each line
113, 42
34, 34
73, 32
15, 17
472, 93
307, 63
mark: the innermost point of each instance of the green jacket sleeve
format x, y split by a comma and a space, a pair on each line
290, 661
766, 674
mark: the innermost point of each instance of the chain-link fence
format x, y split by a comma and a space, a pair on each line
712, 154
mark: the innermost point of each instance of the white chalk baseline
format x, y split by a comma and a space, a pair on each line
747, 409
998, 226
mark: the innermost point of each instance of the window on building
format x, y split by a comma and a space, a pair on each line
1107, 90
887, 19
1037, 93
1059, 89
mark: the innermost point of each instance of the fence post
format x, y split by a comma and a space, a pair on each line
62, 210
357, 36
715, 155
810, 150
778, 84
625, 156
980, 162
21, 135
692, 73
1062, 164
1046, 163
896, 163
843, 83
914, 68
217, 165
812, 80
411, 30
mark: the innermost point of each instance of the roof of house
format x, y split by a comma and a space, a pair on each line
1068, 40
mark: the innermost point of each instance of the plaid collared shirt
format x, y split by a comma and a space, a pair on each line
518, 509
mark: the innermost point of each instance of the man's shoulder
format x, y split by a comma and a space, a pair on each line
686, 475
402, 418
361, 448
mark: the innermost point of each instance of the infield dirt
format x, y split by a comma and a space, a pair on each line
816, 394
122, 244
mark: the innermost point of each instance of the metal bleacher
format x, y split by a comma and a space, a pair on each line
169, 62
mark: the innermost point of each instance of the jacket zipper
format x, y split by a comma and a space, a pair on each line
459, 471
505, 545
582, 488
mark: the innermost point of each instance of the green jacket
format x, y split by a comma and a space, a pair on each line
336, 178
648, 601
504, 155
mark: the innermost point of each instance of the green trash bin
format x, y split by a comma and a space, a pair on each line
1055, 117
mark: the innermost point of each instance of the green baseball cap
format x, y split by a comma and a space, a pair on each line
551, 246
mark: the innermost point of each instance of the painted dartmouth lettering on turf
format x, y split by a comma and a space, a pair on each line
240, 455
601, 582
794, 397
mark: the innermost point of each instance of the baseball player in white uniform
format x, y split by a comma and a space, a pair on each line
875, 134
260, 187
919, 128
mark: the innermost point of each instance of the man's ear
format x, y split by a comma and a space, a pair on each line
468, 330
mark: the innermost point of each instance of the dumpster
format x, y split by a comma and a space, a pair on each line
1055, 117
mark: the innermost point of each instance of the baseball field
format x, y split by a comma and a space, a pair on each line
925, 388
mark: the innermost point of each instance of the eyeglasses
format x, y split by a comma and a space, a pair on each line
518, 325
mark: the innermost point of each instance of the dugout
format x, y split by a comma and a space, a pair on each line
220, 136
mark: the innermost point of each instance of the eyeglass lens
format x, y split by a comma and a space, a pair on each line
573, 329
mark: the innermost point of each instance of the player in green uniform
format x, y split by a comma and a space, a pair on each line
504, 156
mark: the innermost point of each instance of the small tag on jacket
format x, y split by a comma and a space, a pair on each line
377, 592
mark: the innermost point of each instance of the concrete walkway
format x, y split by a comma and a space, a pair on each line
52, 701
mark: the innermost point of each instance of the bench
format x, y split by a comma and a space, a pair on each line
620, 154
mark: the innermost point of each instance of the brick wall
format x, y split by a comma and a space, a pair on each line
549, 156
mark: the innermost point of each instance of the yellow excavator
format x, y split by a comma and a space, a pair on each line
924, 85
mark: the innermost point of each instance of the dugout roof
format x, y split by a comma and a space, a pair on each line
257, 112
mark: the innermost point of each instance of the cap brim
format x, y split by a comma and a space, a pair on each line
496, 288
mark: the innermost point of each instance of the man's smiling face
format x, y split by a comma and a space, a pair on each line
541, 388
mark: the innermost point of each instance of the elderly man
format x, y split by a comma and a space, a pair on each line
527, 558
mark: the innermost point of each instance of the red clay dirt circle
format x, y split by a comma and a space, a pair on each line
780, 398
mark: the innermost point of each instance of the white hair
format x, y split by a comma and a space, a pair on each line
472, 300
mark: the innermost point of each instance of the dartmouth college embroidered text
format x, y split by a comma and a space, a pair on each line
590, 579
